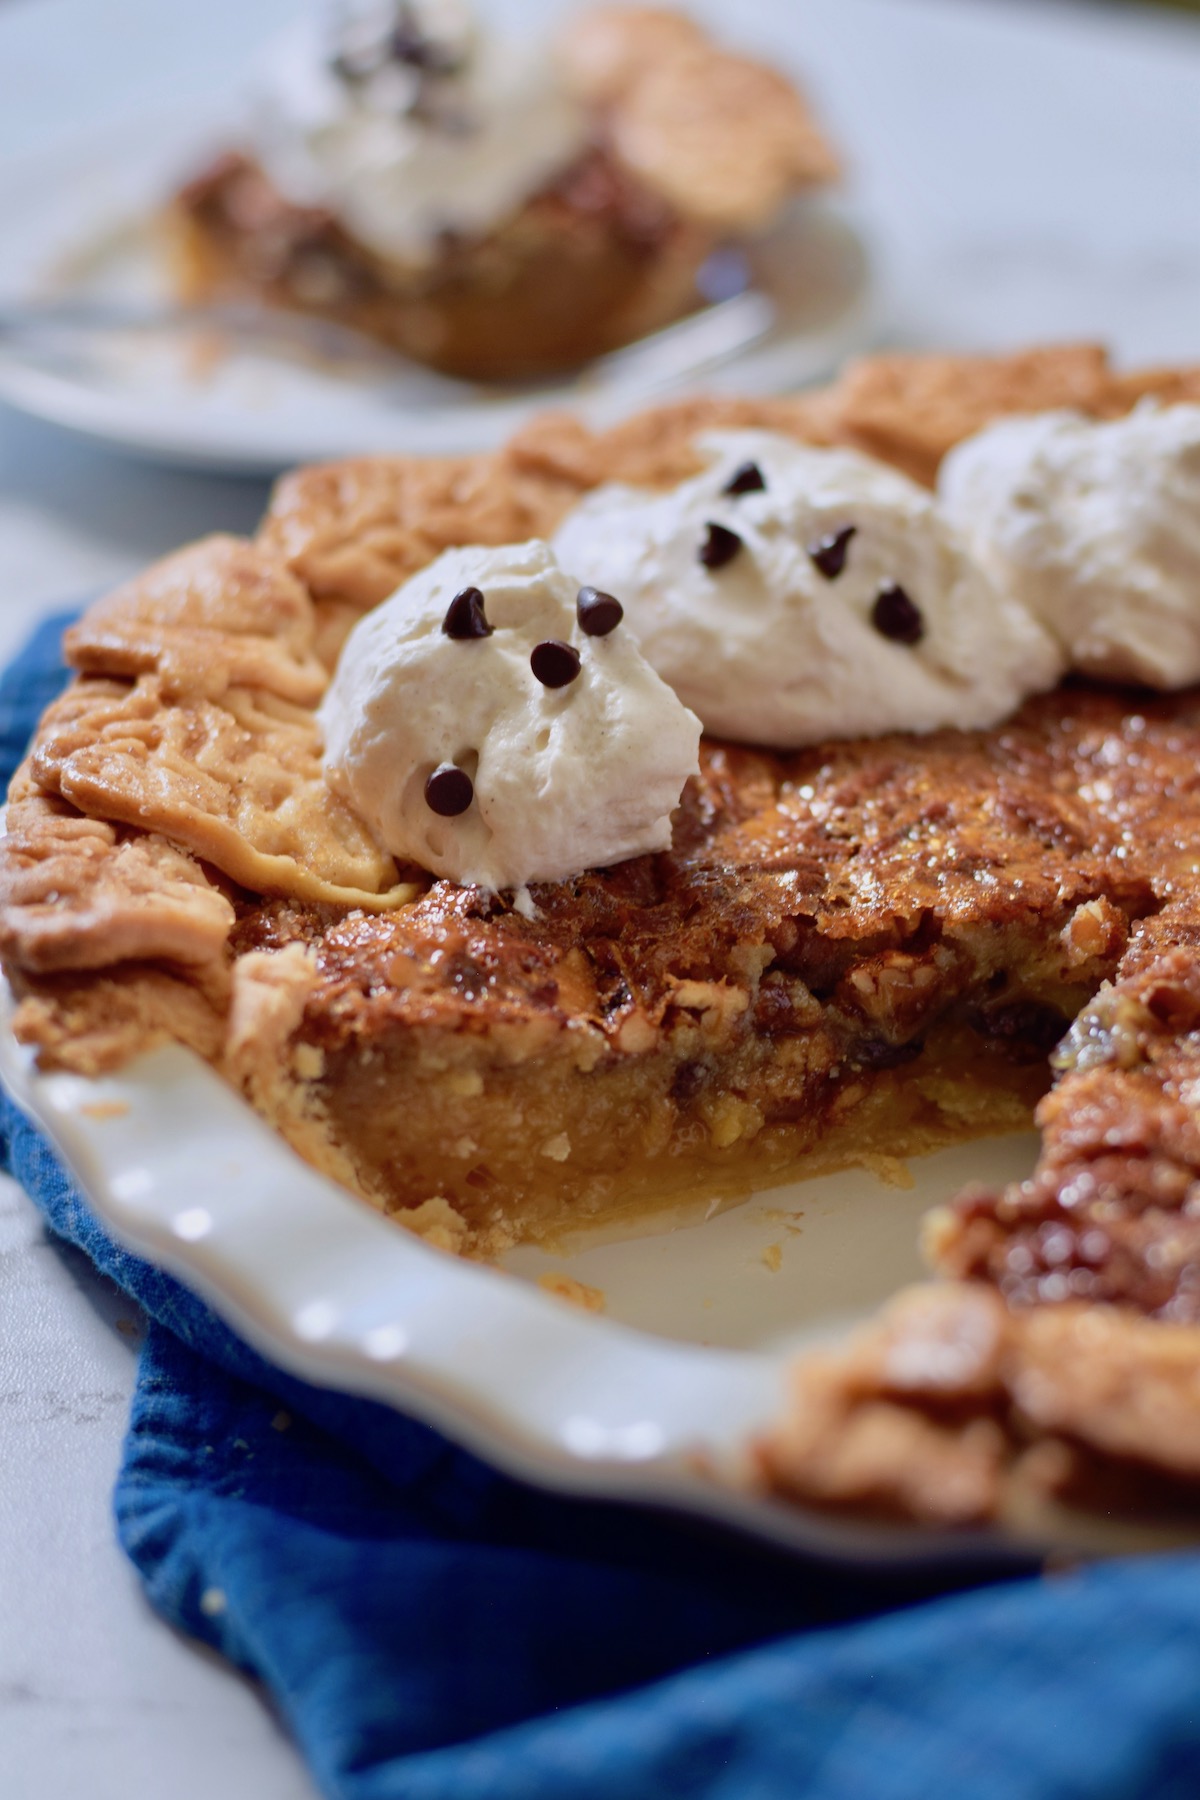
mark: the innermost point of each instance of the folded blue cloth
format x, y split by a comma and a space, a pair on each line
432, 1630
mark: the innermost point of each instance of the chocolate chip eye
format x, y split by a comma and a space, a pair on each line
598, 613
895, 616
554, 663
747, 479
829, 553
720, 545
465, 616
449, 791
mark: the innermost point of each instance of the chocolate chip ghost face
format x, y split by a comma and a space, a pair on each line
791, 595
496, 724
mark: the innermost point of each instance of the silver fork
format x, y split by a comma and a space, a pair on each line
69, 327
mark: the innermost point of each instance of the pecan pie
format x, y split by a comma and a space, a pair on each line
867, 947
682, 149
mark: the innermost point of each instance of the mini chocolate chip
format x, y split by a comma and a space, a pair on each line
748, 479
830, 553
720, 545
554, 663
449, 791
895, 616
346, 69
408, 46
688, 1079
465, 616
598, 613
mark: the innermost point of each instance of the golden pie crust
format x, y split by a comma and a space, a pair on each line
689, 145
860, 950
724, 140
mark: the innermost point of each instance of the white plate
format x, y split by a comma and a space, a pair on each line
654, 1402
74, 227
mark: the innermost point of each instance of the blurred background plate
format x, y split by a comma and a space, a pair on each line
88, 340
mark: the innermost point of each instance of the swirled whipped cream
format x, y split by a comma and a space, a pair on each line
407, 122
496, 726
791, 594
1095, 528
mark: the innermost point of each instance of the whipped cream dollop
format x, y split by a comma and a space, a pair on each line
1095, 528
493, 725
792, 594
407, 121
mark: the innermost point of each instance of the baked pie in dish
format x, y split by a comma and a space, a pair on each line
498, 211
859, 948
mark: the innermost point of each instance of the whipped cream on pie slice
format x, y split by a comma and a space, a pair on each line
409, 122
497, 725
791, 595
1095, 528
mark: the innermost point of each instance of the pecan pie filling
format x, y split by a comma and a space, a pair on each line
841, 955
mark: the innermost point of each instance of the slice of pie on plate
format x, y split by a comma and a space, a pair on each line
497, 210
855, 950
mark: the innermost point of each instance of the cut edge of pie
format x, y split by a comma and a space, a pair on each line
793, 987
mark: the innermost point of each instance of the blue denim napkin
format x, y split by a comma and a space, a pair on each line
432, 1630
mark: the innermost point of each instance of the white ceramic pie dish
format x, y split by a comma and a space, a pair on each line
185, 1173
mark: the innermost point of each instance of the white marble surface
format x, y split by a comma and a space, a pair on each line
1026, 171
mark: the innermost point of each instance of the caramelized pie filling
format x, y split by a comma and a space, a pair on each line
789, 987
